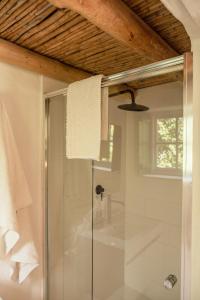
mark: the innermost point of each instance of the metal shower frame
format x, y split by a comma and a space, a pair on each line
167, 66
181, 63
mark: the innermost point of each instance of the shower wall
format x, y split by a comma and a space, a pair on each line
138, 243
153, 210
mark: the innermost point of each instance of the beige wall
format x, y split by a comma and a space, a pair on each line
21, 91
51, 85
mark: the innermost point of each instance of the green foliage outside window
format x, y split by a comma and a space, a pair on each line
169, 143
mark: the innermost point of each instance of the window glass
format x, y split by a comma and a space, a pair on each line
161, 144
180, 129
169, 148
166, 156
166, 130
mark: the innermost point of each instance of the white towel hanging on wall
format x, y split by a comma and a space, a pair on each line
16, 243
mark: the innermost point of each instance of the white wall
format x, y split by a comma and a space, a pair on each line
153, 211
139, 245
21, 91
51, 85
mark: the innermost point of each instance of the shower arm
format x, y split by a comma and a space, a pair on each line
127, 91
130, 106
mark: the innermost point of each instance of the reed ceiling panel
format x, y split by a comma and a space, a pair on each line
68, 37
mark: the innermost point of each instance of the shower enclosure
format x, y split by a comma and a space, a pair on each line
116, 228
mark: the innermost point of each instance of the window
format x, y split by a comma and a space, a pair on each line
161, 143
168, 150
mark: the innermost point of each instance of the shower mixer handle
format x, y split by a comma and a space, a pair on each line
100, 190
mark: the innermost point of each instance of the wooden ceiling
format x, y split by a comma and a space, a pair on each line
69, 38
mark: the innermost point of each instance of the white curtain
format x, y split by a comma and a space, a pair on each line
188, 13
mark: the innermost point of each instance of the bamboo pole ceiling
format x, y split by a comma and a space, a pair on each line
66, 36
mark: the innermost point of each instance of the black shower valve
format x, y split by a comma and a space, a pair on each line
99, 190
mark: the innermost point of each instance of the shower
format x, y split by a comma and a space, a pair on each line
117, 219
133, 106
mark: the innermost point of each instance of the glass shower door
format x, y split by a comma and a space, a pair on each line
69, 214
137, 212
114, 225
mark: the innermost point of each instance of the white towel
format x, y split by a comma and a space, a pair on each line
83, 118
16, 242
24, 255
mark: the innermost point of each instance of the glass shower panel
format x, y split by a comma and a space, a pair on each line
69, 209
114, 225
109, 210
137, 218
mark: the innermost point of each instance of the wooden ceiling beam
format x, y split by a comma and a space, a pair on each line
16, 55
120, 22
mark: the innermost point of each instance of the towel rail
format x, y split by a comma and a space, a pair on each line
167, 66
